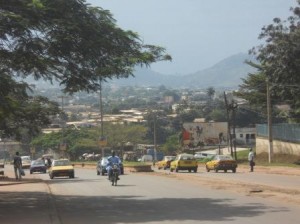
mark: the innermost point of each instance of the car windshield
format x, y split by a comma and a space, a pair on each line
61, 163
187, 157
38, 162
224, 157
168, 158
25, 158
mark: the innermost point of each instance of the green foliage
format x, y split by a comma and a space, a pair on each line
218, 115
70, 42
279, 60
210, 92
85, 140
67, 41
171, 145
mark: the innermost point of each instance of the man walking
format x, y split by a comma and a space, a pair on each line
18, 166
251, 160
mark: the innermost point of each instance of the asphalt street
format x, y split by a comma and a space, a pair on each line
157, 197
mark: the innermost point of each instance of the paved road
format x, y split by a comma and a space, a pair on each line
139, 198
242, 175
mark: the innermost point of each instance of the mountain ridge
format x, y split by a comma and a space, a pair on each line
226, 73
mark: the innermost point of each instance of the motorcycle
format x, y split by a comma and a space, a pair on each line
115, 174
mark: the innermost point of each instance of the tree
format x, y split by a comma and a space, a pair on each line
210, 92
69, 42
171, 145
21, 115
279, 59
85, 140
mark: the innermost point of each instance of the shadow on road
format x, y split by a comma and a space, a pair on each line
127, 209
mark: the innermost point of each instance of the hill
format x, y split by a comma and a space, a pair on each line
226, 73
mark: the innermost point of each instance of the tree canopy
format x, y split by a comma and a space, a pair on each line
70, 42
279, 62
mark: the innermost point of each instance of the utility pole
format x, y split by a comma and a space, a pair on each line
229, 123
102, 140
154, 139
63, 145
234, 107
269, 111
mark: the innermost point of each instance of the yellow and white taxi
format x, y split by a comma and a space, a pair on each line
61, 168
221, 162
165, 162
184, 162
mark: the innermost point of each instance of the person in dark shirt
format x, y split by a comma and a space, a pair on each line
18, 166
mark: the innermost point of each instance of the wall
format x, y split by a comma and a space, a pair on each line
262, 145
248, 136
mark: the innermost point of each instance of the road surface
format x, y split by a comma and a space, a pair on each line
157, 197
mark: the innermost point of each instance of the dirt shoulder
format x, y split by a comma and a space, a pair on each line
291, 195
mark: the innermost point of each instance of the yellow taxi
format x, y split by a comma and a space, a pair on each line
184, 162
221, 162
165, 162
61, 168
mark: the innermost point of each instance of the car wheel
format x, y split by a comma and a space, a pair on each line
216, 170
234, 170
51, 176
195, 170
207, 169
189, 170
45, 171
176, 169
225, 171
30, 172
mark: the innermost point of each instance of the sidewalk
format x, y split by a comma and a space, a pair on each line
26, 200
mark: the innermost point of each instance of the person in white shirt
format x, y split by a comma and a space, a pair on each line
251, 160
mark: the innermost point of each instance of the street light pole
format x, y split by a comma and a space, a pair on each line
154, 139
63, 145
269, 111
101, 117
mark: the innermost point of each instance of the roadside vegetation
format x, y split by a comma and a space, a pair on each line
57, 40
262, 159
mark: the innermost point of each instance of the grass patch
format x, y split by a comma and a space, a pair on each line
131, 164
278, 160
263, 159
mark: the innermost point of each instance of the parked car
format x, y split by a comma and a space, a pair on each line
101, 166
38, 166
184, 162
165, 163
26, 162
203, 155
221, 162
146, 158
60, 168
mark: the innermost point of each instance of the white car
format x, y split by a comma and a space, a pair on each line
26, 162
203, 155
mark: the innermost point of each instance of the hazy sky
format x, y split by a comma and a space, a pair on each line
197, 33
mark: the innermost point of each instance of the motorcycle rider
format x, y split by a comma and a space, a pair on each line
113, 159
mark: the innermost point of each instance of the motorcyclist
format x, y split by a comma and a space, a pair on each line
113, 159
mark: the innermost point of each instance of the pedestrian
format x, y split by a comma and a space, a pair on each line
18, 166
251, 160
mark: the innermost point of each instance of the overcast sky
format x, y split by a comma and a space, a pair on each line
197, 33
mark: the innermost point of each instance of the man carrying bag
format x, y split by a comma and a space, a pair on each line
18, 166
